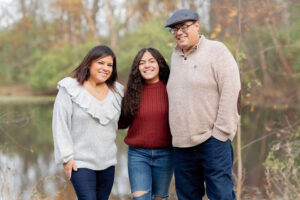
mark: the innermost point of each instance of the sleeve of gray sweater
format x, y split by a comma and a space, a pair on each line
61, 125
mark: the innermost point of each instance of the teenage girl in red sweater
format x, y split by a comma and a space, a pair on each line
145, 112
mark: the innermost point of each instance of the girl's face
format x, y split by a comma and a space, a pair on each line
149, 68
101, 69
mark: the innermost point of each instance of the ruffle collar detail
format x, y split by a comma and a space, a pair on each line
103, 111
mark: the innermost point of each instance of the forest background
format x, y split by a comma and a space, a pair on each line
43, 41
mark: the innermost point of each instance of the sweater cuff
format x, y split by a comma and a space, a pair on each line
68, 158
220, 135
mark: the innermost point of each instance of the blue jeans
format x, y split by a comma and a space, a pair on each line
150, 170
209, 162
93, 185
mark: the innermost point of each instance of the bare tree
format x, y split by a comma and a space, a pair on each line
91, 18
112, 30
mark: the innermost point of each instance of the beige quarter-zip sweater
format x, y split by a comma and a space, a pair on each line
204, 90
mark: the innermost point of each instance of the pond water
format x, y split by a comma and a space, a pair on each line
28, 171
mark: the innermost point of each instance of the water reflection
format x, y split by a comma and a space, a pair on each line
27, 167
28, 171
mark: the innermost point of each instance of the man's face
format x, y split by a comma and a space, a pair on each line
186, 34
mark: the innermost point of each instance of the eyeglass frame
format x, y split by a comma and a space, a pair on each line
183, 28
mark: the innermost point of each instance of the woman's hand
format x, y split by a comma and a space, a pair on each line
68, 168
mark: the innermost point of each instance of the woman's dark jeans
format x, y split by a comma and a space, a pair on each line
93, 185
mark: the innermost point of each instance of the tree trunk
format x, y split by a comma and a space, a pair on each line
112, 30
95, 10
91, 21
240, 164
277, 45
239, 134
266, 78
250, 61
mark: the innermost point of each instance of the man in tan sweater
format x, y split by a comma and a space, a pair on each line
204, 97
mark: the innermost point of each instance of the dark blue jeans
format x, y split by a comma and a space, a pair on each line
93, 185
209, 162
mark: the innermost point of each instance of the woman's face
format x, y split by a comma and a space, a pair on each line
101, 69
149, 68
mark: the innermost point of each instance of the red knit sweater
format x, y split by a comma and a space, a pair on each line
150, 126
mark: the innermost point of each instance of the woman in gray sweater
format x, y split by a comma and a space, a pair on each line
85, 121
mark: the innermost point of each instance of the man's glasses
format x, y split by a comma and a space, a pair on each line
183, 28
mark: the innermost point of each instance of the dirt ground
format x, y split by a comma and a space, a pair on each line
23, 90
18, 90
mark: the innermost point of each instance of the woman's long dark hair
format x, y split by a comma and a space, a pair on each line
132, 98
82, 72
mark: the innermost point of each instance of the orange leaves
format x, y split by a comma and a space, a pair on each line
229, 19
170, 44
68, 5
278, 135
252, 15
216, 31
267, 128
252, 108
233, 12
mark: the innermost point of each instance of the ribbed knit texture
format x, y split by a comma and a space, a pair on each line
203, 90
150, 127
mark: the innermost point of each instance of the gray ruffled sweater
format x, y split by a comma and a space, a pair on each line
84, 128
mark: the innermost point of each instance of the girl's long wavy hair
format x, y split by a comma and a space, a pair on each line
135, 84
82, 72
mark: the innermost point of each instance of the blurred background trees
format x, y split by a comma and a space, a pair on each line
42, 41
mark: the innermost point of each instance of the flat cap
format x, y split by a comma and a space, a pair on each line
180, 16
